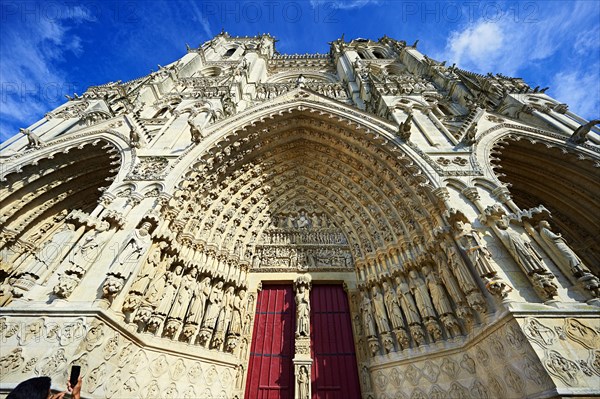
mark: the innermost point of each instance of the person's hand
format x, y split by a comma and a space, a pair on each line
76, 390
59, 395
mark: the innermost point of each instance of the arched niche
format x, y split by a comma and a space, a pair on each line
539, 173
36, 197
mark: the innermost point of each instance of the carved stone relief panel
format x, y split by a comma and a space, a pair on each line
568, 349
302, 237
502, 364
111, 365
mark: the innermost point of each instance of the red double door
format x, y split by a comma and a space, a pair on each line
271, 372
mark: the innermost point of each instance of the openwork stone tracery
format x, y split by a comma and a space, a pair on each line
156, 219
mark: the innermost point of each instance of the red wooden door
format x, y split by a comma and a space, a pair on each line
334, 370
270, 370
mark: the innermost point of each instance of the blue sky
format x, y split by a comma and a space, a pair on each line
52, 48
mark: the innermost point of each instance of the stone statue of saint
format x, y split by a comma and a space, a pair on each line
448, 279
562, 249
419, 290
50, 251
157, 285
147, 273
133, 250
198, 304
239, 309
303, 383
393, 308
407, 302
86, 251
184, 295
367, 315
302, 312
522, 251
172, 282
464, 278
473, 246
224, 318
379, 308
438, 296
215, 300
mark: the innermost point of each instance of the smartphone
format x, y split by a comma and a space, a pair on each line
75, 370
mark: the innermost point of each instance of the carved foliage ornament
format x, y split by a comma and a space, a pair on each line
149, 168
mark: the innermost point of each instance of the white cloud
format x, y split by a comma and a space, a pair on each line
587, 40
202, 20
30, 78
580, 89
343, 4
478, 45
507, 45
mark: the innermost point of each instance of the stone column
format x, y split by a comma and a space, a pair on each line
302, 359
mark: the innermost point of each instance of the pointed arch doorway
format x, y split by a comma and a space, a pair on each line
334, 373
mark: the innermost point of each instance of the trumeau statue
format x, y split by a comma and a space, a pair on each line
186, 195
302, 300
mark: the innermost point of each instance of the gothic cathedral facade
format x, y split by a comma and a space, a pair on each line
367, 223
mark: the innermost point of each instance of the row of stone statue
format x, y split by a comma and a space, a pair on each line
414, 305
313, 237
267, 91
182, 304
194, 305
301, 220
